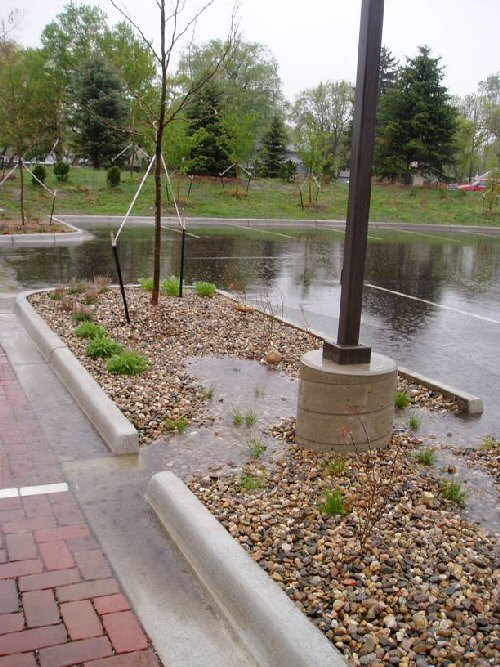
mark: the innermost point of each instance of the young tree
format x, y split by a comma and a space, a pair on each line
239, 139
158, 113
274, 147
490, 98
26, 121
101, 113
388, 71
471, 136
326, 112
417, 122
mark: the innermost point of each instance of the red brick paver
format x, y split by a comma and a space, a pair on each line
59, 602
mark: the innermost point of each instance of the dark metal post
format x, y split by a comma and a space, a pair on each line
53, 207
120, 280
347, 349
181, 271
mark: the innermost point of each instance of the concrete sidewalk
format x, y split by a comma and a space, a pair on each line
87, 576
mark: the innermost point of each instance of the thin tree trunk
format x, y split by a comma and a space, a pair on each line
158, 166
21, 197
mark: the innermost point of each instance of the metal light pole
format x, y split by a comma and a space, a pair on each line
347, 350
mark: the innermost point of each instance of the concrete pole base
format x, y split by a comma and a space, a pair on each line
345, 407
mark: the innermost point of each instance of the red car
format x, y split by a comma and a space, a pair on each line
480, 184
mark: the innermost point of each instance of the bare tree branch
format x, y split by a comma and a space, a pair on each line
128, 18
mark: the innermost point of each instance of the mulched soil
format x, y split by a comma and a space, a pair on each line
32, 227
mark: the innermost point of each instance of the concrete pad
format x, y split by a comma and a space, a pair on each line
269, 624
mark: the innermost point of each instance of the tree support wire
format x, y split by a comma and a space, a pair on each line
120, 279
182, 226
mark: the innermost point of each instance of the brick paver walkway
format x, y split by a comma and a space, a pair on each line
59, 601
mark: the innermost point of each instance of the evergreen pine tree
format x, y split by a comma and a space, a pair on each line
209, 154
417, 122
274, 148
101, 114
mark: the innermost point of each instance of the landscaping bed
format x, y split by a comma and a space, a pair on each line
372, 547
33, 227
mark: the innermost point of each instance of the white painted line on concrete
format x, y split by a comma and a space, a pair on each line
9, 493
432, 236
432, 303
342, 231
262, 231
43, 489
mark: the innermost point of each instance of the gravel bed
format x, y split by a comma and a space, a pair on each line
399, 579
178, 329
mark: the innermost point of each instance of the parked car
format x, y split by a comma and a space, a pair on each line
479, 184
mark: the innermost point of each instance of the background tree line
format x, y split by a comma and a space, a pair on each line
87, 90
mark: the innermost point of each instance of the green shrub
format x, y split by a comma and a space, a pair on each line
146, 284
76, 287
103, 347
61, 171
250, 418
334, 503
414, 422
114, 176
205, 289
238, 418
336, 468
82, 315
178, 425
251, 482
427, 457
257, 448
401, 399
453, 492
57, 294
40, 173
128, 363
170, 286
90, 296
288, 171
90, 330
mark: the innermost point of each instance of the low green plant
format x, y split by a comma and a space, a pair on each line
427, 457
82, 315
103, 347
207, 393
170, 286
489, 443
76, 287
452, 491
57, 294
61, 171
252, 482
250, 418
40, 173
128, 362
102, 283
114, 176
336, 467
178, 425
90, 296
90, 330
401, 399
414, 422
257, 448
146, 284
334, 503
238, 418
259, 392
205, 289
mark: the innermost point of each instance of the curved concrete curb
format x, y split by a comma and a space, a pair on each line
275, 632
472, 405
43, 240
115, 429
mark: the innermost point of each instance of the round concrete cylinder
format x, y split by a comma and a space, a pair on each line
345, 407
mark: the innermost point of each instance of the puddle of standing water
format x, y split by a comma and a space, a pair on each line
241, 390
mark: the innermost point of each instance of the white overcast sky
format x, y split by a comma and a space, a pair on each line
316, 40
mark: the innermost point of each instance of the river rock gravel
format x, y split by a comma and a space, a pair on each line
175, 330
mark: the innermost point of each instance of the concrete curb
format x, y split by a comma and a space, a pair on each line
46, 239
117, 432
472, 405
275, 632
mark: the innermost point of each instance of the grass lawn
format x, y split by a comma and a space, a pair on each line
87, 192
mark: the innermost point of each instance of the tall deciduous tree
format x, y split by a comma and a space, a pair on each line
417, 122
322, 116
471, 135
490, 94
101, 113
